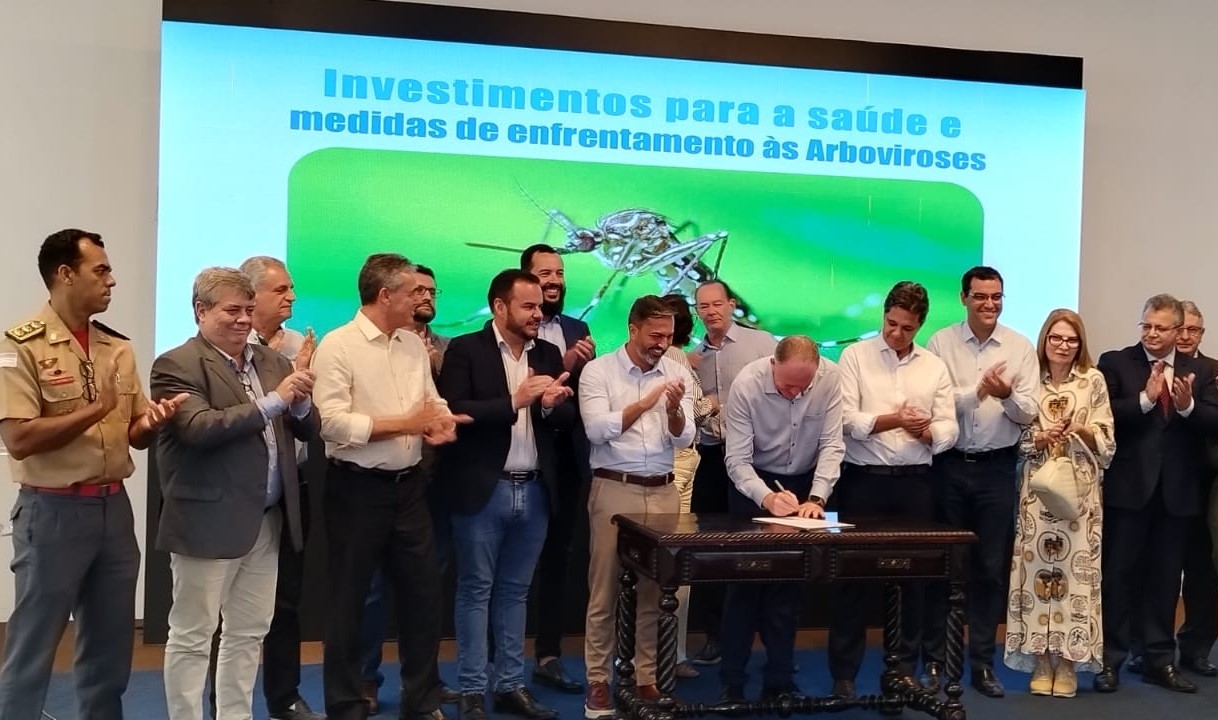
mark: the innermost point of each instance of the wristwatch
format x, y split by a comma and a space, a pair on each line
816, 499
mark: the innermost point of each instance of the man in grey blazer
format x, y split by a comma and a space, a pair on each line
227, 469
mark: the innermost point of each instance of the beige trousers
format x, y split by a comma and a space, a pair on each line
606, 499
242, 590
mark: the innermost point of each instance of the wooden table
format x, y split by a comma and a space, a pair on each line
687, 549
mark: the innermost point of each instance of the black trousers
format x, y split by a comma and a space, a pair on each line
374, 522
1143, 556
709, 495
768, 609
864, 491
1196, 636
980, 496
281, 646
551, 594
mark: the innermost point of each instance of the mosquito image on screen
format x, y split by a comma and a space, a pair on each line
636, 242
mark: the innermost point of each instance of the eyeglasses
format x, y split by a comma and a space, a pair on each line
87, 373
982, 297
1159, 329
1059, 340
425, 291
1192, 330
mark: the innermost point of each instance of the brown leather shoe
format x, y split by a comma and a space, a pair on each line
598, 703
368, 692
648, 693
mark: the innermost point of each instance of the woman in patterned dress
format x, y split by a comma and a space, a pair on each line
1053, 612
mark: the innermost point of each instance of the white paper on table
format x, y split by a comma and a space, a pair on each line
803, 523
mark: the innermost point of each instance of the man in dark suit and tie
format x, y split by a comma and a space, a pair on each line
552, 596
227, 466
1165, 405
503, 481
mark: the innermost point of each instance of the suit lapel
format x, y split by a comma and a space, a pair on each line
215, 365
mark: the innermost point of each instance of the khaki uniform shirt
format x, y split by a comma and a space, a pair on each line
44, 373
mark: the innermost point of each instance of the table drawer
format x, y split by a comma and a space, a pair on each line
864, 564
725, 565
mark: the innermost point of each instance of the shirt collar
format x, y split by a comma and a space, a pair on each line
501, 343
1074, 374
728, 336
247, 354
370, 331
627, 365
914, 352
1170, 358
967, 334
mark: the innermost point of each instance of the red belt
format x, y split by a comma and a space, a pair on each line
81, 489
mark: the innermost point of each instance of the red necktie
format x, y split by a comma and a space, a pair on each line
1165, 394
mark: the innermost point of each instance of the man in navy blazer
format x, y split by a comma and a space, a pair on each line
1164, 406
551, 598
502, 482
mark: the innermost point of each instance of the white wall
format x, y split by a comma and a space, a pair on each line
78, 135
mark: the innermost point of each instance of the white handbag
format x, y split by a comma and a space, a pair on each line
1058, 486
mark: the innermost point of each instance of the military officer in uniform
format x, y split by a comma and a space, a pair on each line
71, 408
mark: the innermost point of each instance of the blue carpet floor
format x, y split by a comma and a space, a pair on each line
145, 699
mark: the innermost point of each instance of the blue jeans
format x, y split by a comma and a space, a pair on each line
497, 550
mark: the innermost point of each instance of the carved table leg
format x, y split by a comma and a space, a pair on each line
891, 679
953, 709
627, 620
666, 648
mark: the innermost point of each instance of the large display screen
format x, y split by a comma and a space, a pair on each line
809, 191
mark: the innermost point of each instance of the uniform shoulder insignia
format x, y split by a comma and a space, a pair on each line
26, 331
110, 331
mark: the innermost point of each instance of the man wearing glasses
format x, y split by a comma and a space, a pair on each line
424, 297
994, 376
71, 409
1164, 407
1200, 590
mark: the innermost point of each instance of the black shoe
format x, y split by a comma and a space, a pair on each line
448, 696
471, 707
1107, 680
731, 694
1169, 677
521, 702
932, 678
708, 655
843, 689
778, 693
553, 675
298, 710
1199, 665
1135, 665
986, 683
436, 714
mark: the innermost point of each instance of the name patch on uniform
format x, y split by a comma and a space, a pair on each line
65, 380
8, 359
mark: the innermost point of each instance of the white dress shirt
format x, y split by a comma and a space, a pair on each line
611, 382
988, 424
362, 374
522, 454
876, 382
551, 331
786, 437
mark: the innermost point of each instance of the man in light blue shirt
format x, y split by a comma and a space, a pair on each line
994, 375
783, 427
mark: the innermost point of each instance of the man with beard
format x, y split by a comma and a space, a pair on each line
552, 597
373, 634
637, 407
500, 479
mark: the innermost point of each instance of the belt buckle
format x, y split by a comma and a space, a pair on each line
519, 476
